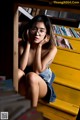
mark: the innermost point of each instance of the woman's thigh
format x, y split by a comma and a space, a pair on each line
42, 88
21, 82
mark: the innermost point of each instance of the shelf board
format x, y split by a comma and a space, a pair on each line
23, 11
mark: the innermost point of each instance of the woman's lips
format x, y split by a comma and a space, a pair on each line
36, 37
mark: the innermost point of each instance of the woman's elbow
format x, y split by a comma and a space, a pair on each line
22, 67
39, 71
55, 50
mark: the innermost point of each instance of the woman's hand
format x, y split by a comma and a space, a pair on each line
46, 39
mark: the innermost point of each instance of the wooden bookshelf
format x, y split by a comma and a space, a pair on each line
66, 28
74, 41
64, 21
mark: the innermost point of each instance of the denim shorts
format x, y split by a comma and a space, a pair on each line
48, 77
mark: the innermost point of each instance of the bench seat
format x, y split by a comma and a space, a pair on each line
58, 110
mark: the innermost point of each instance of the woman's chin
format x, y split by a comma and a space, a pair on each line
36, 42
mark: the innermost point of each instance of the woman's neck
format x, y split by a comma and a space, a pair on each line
34, 45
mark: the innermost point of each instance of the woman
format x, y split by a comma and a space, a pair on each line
36, 54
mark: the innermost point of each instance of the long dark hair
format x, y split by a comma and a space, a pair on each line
47, 23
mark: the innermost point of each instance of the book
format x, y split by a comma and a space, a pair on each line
63, 42
74, 33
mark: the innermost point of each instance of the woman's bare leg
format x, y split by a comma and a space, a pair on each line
21, 82
38, 87
20, 74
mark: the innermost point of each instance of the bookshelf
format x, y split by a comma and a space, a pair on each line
25, 12
66, 33
65, 26
63, 17
71, 34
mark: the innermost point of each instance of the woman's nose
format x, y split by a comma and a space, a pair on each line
37, 32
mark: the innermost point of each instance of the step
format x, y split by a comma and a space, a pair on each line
68, 58
75, 44
68, 37
67, 94
60, 108
69, 83
64, 106
66, 74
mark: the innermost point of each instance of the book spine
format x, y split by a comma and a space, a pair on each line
78, 33
63, 29
54, 28
74, 33
68, 32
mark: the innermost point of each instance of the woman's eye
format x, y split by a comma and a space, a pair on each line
33, 29
41, 30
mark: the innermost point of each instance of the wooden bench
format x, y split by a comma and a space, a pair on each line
66, 67
75, 44
58, 110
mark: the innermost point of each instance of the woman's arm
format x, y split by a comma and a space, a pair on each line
41, 65
24, 56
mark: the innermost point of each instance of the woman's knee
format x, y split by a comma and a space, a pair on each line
31, 77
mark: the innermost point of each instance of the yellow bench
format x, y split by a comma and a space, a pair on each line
75, 44
58, 110
66, 67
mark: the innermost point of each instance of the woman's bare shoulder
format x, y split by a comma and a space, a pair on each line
53, 49
21, 47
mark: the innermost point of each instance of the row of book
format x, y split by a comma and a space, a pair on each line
32, 11
66, 31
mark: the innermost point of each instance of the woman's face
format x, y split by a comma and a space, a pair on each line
38, 32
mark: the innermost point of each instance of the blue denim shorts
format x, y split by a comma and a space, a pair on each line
48, 77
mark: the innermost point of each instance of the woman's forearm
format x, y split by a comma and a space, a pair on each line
24, 57
37, 62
